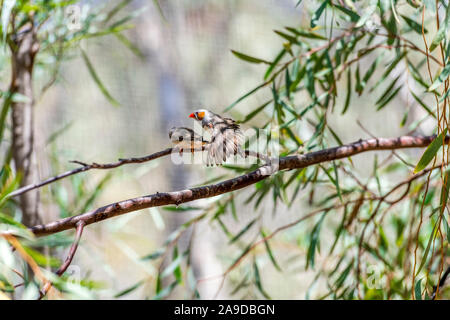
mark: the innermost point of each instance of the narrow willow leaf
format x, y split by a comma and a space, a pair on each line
158, 6
447, 228
445, 95
316, 16
269, 251
352, 14
244, 230
349, 91
444, 191
163, 293
9, 220
314, 242
340, 280
427, 249
7, 6
177, 271
418, 290
367, 14
116, 9
443, 75
274, 63
97, 80
249, 58
306, 34
387, 91
231, 106
430, 152
170, 269
288, 82
391, 67
258, 281
127, 43
414, 25
424, 106
130, 289
440, 35
41, 259
252, 114
388, 99
286, 36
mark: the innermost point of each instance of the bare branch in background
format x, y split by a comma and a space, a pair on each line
85, 167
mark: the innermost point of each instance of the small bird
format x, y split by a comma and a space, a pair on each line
226, 136
186, 139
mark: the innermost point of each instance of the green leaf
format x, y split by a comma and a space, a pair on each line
177, 272
441, 78
7, 7
306, 34
286, 36
430, 152
352, 14
340, 280
349, 91
158, 6
252, 114
258, 281
127, 43
41, 259
244, 230
414, 25
367, 14
231, 106
447, 228
418, 290
130, 289
175, 264
155, 255
420, 101
163, 293
316, 16
97, 80
389, 98
444, 191
440, 35
269, 251
314, 242
274, 63
427, 249
249, 58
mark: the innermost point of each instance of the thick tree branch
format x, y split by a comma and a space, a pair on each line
187, 195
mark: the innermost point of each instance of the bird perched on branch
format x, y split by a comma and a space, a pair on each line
226, 136
186, 139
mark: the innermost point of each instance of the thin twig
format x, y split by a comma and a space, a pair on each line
68, 261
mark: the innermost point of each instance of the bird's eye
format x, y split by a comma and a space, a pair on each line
180, 138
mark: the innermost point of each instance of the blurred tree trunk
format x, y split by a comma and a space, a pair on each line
24, 47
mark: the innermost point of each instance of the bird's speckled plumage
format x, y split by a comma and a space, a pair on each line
226, 136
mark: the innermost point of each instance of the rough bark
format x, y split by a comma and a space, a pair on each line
23, 50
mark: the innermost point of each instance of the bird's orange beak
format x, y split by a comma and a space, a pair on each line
192, 115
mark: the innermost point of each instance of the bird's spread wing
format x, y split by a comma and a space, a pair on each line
184, 138
226, 140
